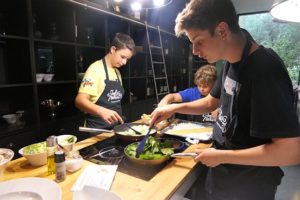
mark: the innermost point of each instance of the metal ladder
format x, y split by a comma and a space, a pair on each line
158, 64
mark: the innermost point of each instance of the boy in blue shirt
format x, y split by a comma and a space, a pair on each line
204, 80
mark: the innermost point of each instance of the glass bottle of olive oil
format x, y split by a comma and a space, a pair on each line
51, 148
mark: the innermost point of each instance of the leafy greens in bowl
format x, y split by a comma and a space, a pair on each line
67, 141
35, 153
155, 151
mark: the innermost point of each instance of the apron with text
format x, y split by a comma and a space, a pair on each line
110, 99
227, 120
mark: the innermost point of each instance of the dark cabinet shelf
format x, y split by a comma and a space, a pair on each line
53, 20
9, 130
4, 85
86, 55
116, 25
54, 82
90, 46
13, 37
14, 23
19, 139
14, 61
57, 59
46, 41
90, 27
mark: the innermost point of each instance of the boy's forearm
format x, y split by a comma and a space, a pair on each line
198, 107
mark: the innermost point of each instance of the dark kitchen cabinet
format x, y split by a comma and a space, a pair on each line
18, 140
46, 46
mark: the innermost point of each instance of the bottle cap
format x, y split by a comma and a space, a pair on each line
51, 141
59, 156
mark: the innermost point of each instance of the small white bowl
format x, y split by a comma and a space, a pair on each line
39, 77
66, 141
48, 77
38, 158
10, 118
5, 156
74, 164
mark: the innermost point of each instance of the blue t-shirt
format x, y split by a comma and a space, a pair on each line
190, 94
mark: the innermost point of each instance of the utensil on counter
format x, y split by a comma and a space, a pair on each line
113, 149
112, 154
184, 155
141, 145
137, 132
119, 129
94, 130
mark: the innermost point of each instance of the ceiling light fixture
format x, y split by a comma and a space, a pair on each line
158, 3
147, 4
286, 10
136, 6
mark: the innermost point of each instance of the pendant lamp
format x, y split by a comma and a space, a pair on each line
286, 10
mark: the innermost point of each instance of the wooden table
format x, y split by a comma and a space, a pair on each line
162, 186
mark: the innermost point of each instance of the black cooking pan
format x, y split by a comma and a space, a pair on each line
120, 129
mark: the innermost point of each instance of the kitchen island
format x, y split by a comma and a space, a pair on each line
171, 182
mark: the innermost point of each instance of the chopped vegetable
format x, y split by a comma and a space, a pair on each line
154, 149
68, 140
35, 148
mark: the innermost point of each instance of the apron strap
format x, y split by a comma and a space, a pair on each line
234, 96
105, 68
106, 71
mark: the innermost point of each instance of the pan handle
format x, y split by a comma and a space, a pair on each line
94, 130
184, 155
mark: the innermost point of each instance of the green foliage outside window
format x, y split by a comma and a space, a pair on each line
284, 38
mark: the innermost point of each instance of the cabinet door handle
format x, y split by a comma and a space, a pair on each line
75, 31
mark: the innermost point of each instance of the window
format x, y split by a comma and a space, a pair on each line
284, 38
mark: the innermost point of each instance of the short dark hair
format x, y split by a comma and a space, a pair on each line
206, 15
123, 41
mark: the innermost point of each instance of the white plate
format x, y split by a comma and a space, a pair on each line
21, 195
22, 188
94, 193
